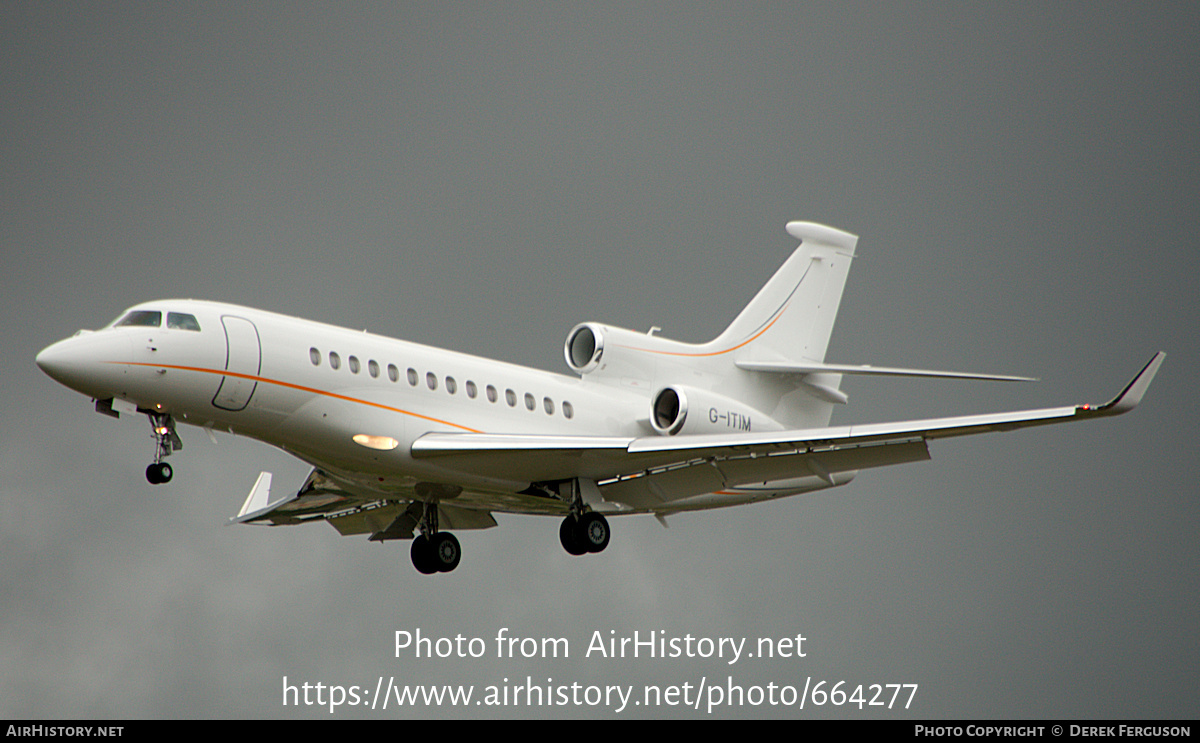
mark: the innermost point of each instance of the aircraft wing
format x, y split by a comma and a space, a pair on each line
315, 499
692, 465
321, 498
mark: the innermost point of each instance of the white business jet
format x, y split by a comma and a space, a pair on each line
411, 441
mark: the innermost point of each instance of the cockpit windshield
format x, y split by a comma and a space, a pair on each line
182, 321
153, 319
141, 319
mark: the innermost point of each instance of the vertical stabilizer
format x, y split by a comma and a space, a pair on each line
791, 317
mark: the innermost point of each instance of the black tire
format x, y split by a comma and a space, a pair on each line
592, 532
567, 535
444, 551
159, 473
422, 555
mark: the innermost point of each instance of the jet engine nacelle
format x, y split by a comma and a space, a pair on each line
584, 349
603, 351
678, 409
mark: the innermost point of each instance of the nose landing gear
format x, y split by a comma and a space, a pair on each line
166, 441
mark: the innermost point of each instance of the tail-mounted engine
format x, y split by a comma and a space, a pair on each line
677, 409
644, 360
584, 349
603, 351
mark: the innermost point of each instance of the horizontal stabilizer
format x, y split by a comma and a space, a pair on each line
812, 367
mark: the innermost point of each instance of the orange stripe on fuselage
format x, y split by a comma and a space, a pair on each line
710, 353
302, 388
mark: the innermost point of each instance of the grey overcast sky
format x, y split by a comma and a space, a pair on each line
482, 176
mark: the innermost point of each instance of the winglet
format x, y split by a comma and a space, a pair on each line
258, 503
1133, 392
259, 495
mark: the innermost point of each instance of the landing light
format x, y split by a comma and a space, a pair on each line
383, 443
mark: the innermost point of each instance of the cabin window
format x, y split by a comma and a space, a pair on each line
315, 356
373, 368
354, 365
431, 380
140, 319
451, 385
393, 373
335, 361
568, 410
511, 398
530, 403
548, 404
412, 377
182, 321
472, 390
491, 393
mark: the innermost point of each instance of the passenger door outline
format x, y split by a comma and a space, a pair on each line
243, 356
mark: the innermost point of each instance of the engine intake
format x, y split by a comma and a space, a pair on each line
710, 413
584, 347
669, 411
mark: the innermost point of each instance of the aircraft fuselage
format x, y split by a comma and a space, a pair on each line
312, 388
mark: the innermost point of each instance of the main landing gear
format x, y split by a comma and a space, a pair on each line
583, 531
166, 441
434, 551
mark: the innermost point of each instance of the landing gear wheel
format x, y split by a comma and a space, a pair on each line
422, 555
567, 535
159, 473
438, 553
444, 551
166, 441
592, 532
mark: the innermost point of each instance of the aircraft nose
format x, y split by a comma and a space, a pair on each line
74, 362
53, 360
